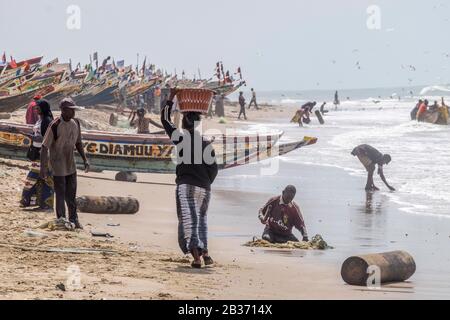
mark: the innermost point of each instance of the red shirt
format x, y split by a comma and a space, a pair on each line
32, 115
283, 217
422, 109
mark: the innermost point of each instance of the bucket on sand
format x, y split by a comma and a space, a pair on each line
393, 266
108, 205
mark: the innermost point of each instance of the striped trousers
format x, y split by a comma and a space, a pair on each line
192, 207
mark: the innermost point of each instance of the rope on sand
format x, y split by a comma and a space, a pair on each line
316, 243
58, 250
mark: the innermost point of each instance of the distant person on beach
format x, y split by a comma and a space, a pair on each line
322, 108
302, 114
253, 100
415, 110
32, 115
369, 157
61, 138
242, 105
309, 106
195, 174
35, 187
142, 122
434, 107
157, 95
336, 100
422, 110
280, 214
122, 98
220, 105
307, 110
444, 111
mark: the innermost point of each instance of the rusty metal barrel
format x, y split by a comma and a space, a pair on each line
394, 266
108, 205
126, 176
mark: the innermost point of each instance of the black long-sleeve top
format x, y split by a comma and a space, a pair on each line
195, 168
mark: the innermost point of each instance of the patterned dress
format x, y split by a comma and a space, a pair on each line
37, 192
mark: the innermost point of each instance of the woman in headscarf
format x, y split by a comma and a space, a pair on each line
195, 174
38, 192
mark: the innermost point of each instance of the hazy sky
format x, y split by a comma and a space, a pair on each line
282, 44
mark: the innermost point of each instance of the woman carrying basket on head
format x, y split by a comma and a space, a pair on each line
195, 173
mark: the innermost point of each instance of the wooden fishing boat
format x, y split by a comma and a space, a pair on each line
13, 82
139, 88
151, 153
15, 102
61, 91
224, 88
22, 95
99, 92
11, 72
435, 117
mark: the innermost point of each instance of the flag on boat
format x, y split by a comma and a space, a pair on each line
120, 64
3, 62
13, 63
95, 56
52, 63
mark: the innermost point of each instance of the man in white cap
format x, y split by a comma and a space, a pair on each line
63, 135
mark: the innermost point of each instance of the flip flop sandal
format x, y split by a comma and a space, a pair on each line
208, 261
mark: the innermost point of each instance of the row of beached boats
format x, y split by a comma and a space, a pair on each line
107, 84
113, 151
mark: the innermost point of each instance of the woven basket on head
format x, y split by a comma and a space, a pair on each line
194, 100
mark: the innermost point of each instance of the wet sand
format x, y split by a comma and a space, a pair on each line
149, 265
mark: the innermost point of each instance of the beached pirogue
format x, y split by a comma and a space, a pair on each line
152, 153
436, 117
89, 86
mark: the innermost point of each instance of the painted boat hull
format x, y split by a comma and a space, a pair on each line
150, 153
435, 117
13, 103
104, 96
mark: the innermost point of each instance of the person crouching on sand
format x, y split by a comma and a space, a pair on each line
369, 157
280, 214
194, 179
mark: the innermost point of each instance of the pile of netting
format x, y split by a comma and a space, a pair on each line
316, 243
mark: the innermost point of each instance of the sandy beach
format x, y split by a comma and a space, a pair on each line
147, 264
345, 141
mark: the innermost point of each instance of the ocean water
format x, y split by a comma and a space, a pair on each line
420, 170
